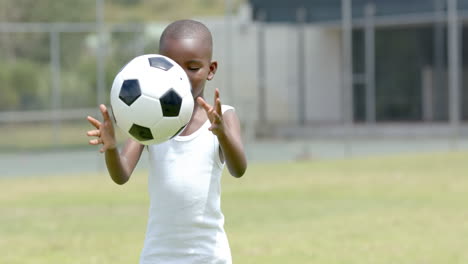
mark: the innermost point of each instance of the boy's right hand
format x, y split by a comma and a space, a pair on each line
104, 131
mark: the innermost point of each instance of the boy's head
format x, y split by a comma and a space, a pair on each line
190, 44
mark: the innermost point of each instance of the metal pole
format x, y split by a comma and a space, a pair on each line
437, 104
347, 47
454, 69
427, 88
301, 16
454, 62
101, 56
139, 42
347, 90
56, 81
100, 65
370, 61
261, 68
228, 51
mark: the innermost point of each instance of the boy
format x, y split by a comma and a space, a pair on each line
185, 221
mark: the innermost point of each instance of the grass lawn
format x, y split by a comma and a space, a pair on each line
42, 136
403, 209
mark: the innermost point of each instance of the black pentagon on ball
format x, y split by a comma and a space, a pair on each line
130, 91
170, 103
160, 63
141, 133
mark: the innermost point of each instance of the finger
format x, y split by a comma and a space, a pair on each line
218, 107
217, 102
216, 95
203, 104
94, 133
94, 122
104, 112
94, 142
213, 128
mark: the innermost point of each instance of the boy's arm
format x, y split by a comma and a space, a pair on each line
227, 128
231, 145
120, 166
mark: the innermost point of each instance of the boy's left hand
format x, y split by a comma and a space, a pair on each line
215, 115
228, 131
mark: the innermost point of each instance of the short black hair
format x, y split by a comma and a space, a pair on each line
187, 28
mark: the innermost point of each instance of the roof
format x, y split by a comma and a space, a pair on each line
320, 11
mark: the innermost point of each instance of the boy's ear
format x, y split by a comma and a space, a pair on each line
213, 68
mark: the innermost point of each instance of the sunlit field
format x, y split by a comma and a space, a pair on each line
43, 136
402, 209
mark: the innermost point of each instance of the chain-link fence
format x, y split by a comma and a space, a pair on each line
58, 60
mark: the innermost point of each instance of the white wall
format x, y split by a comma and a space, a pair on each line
324, 83
323, 71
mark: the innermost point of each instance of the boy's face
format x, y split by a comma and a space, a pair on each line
194, 56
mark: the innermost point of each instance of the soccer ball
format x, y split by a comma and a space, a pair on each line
151, 99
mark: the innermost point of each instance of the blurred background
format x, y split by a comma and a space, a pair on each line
354, 116
315, 78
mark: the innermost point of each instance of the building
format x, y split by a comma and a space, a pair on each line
362, 63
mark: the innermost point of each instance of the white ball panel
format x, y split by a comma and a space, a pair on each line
155, 82
166, 128
182, 83
124, 125
145, 111
115, 90
121, 114
186, 109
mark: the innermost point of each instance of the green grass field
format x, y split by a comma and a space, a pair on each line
404, 209
41, 137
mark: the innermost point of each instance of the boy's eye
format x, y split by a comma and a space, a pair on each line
193, 68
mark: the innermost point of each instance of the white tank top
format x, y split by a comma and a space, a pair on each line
186, 225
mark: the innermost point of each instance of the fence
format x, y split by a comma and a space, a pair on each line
305, 74
64, 83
